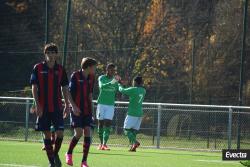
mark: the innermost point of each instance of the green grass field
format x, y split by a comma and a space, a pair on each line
195, 142
26, 154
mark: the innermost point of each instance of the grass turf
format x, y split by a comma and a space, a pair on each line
194, 143
29, 154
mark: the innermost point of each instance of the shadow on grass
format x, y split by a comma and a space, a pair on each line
132, 154
180, 154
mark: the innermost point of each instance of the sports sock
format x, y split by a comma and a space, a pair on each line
106, 134
72, 145
86, 146
49, 150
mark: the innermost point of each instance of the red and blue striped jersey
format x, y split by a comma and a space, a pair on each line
80, 88
49, 82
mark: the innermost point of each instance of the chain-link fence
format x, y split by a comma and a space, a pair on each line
180, 126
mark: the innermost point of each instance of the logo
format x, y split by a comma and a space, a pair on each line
235, 155
44, 72
61, 127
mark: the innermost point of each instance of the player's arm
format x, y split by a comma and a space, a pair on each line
126, 91
91, 88
103, 85
69, 100
39, 109
34, 82
64, 89
35, 94
67, 96
71, 91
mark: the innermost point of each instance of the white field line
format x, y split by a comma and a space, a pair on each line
16, 165
217, 161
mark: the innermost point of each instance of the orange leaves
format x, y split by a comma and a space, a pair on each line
19, 6
155, 16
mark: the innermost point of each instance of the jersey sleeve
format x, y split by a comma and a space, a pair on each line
126, 91
34, 76
64, 80
101, 84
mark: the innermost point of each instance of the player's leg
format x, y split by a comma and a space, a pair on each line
106, 133
92, 125
135, 129
76, 123
52, 130
135, 143
58, 122
43, 124
53, 134
99, 117
108, 117
43, 147
130, 134
128, 125
75, 139
57, 147
49, 147
87, 121
86, 145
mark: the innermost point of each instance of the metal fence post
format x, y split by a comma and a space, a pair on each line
66, 31
229, 130
158, 126
27, 120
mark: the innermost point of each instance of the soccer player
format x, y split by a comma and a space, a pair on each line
108, 86
133, 119
81, 89
49, 81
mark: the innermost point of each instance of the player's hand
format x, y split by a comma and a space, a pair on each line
33, 110
39, 110
118, 78
114, 81
66, 111
76, 110
124, 82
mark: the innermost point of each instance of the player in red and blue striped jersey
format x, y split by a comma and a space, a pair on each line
49, 81
81, 89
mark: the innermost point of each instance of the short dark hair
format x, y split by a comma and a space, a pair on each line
110, 65
88, 62
138, 80
50, 47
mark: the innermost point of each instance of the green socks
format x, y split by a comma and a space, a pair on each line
106, 134
100, 132
131, 135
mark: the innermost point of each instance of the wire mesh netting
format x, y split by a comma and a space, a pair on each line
163, 125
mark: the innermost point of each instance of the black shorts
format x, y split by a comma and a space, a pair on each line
80, 121
50, 118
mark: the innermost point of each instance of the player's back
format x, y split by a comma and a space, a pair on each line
136, 98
